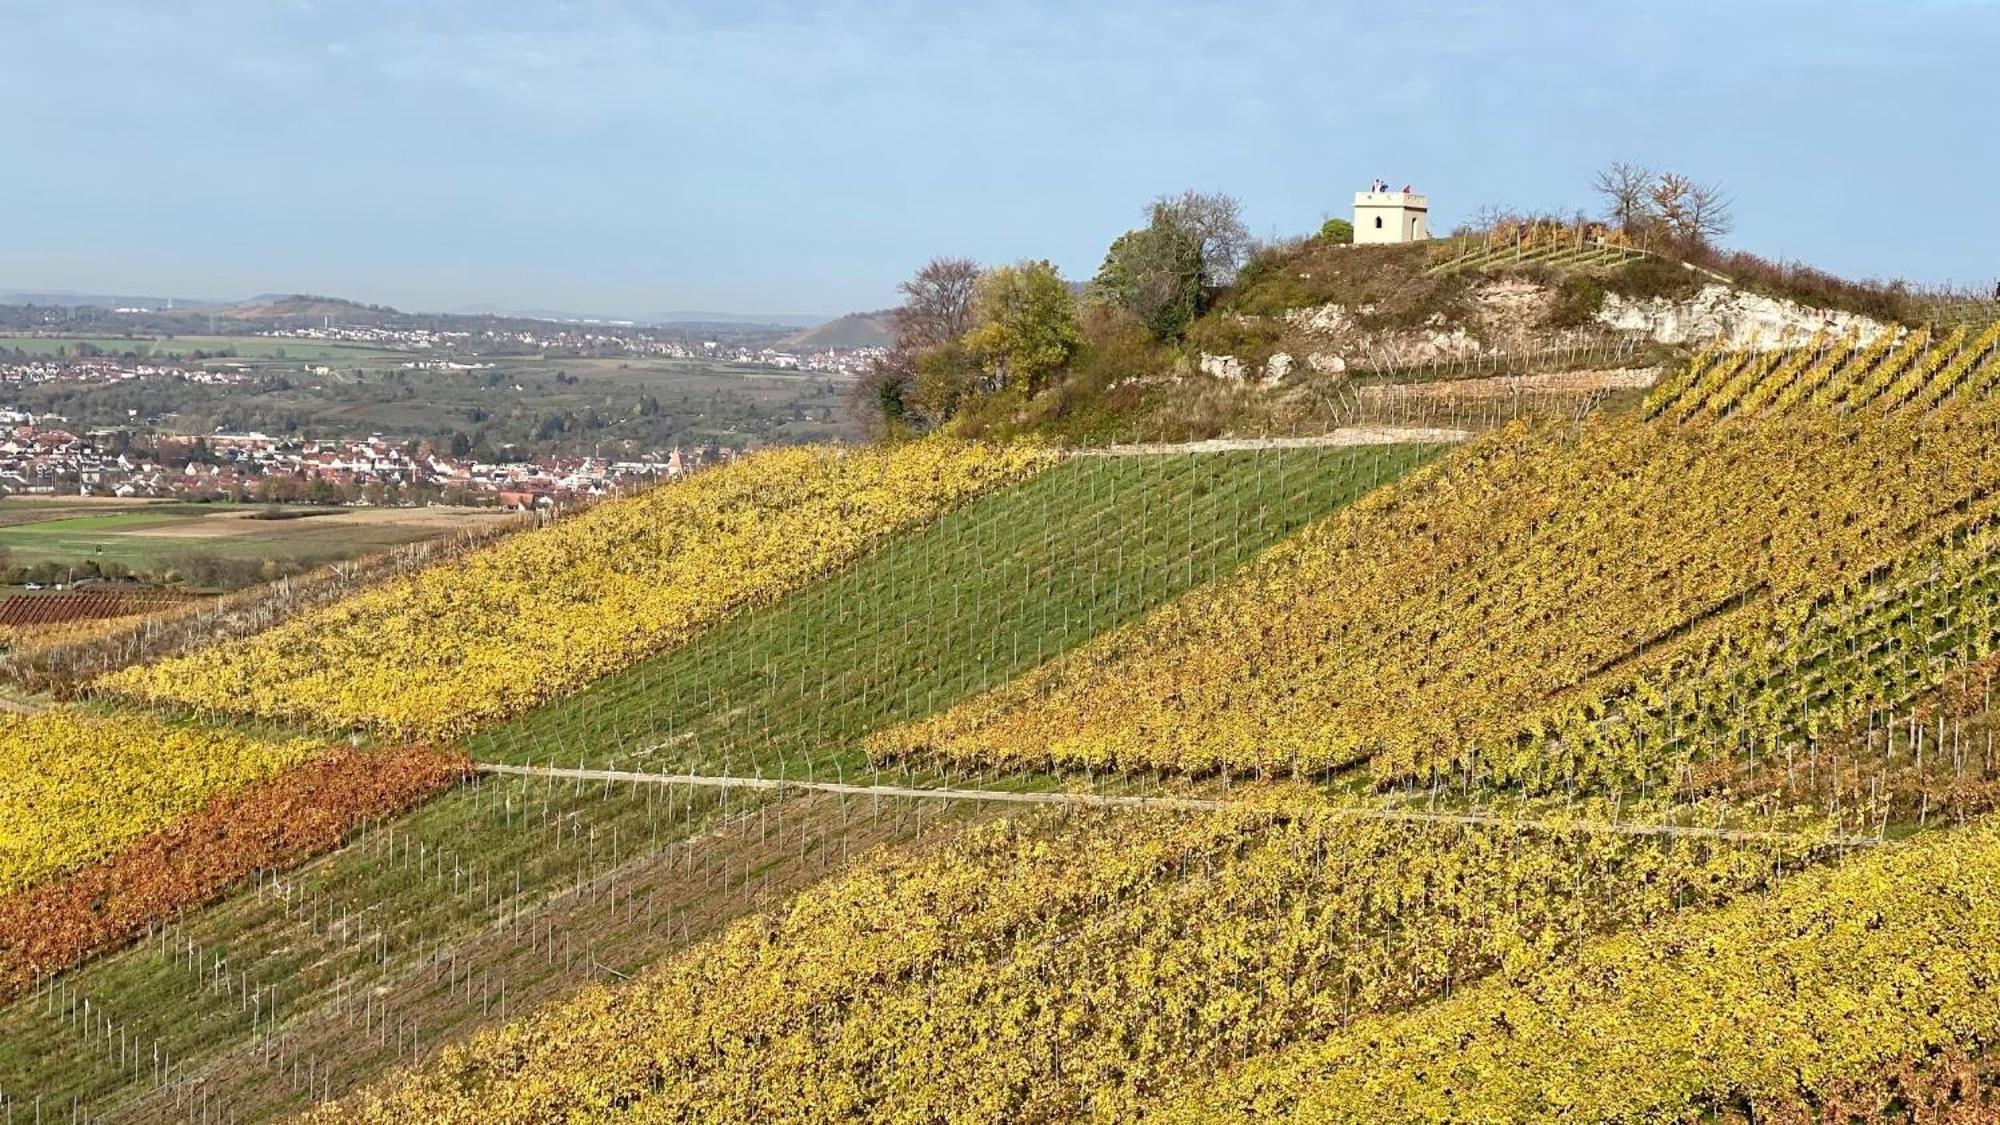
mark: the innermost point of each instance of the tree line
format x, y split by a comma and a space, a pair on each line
1020, 345
965, 334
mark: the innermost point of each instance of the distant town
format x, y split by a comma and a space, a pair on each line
317, 400
101, 361
585, 340
41, 458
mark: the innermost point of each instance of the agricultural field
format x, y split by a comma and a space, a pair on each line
153, 537
1630, 765
188, 347
445, 651
572, 405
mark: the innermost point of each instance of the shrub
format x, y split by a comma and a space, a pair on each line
1654, 277
1810, 285
1577, 299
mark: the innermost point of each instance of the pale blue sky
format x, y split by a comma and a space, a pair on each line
630, 158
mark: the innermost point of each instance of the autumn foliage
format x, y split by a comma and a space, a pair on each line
453, 647
1049, 969
274, 823
1509, 598
1779, 998
1917, 370
76, 786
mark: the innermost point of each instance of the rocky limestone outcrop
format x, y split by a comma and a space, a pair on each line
1230, 369
1225, 367
1510, 317
1506, 315
1737, 318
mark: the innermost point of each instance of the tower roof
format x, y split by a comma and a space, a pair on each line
1407, 200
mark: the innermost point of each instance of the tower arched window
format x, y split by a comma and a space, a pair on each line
1378, 222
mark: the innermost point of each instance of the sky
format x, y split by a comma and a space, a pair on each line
627, 159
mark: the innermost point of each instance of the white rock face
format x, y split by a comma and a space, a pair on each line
1509, 316
1222, 367
1738, 319
1338, 326
1326, 320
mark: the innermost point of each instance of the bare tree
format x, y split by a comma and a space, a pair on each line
937, 304
1692, 214
1663, 207
1708, 214
1213, 224
1628, 195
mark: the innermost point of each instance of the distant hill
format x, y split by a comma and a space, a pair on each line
86, 314
272, 306
855, 330
46, 298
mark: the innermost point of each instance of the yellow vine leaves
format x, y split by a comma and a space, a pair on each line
455, 646
1045, 969
1504, 593
75, 787
1774, 997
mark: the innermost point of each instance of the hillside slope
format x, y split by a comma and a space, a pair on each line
1629, 765
532, 887
855, 330
1803, 611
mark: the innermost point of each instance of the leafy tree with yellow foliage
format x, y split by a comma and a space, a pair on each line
1025, 326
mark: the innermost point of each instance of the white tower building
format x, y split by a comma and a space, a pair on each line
1391, 216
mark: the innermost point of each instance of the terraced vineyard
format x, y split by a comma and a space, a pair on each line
1556, 580
406, 938
1637, 767
27, 612
1067, 955
1561, 250
1975, 312
988, 592
1919, 369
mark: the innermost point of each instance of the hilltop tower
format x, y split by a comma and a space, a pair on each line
1391, 216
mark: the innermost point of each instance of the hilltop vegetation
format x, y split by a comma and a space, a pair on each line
1191, 330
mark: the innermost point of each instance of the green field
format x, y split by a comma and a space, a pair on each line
508, 894
173, 347
538, 404
152, 536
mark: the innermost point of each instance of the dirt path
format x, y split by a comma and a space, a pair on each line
1346, 435
1102, 800
1508, 386
1197, 804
